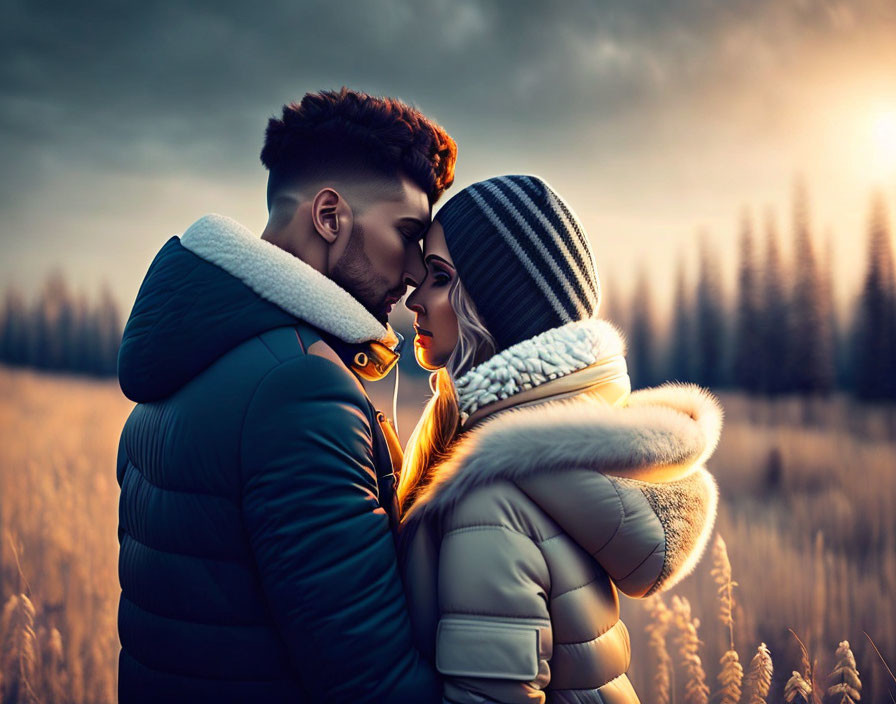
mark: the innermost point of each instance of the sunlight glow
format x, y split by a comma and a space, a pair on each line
884, 136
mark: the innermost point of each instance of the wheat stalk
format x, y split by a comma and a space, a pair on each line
53, 668
731, 674
759, 677
797, 689
695, 690
721, 574
657, 628
19, 656
889, 671
819, 599
845, 676
808, 673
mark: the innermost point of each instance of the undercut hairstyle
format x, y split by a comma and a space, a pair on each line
348, 136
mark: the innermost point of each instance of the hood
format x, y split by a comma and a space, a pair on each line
655, 446
215, 287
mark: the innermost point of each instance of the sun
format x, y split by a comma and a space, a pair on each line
884, 139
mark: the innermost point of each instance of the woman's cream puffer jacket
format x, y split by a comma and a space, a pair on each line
513, 554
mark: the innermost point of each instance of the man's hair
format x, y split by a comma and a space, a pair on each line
348, 134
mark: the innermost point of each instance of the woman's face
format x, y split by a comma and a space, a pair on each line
436, 322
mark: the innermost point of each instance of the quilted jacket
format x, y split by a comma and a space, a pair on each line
257, 559
552, 501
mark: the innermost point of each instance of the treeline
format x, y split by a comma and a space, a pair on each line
780, 333
61, 330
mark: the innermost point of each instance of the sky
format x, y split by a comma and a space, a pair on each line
659, 121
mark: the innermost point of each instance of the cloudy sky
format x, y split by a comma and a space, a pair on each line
121, 123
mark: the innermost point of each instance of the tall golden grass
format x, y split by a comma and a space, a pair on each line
58, 539
807, 513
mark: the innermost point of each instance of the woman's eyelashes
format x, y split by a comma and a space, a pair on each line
440, 277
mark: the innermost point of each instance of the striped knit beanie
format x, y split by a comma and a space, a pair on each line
522, 256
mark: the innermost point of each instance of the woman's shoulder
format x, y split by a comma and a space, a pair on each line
498, 504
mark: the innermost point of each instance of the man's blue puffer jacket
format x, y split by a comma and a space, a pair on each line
257, 562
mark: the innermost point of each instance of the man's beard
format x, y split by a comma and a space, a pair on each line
353, 272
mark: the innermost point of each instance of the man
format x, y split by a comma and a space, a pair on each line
257, 562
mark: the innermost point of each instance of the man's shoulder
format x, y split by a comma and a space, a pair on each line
298, 360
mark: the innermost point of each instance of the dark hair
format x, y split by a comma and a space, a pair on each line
335, 133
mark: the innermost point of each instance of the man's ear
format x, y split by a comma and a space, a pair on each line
331, 214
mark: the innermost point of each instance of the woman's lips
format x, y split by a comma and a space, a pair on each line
423, 336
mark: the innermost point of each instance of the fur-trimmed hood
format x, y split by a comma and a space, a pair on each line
655, 446
217, 286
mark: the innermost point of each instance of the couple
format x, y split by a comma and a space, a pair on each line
278, 546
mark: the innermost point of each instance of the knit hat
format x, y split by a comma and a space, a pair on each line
522, 256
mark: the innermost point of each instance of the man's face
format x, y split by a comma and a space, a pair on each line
383, 256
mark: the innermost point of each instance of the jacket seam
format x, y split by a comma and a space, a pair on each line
588, 689
553, 537
659, 580
641, 564
590, 640
573, 589
228, 561
495, 614
618, 525
131, 463
273, 354
488, 526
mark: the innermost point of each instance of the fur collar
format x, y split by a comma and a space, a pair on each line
670, 426
528, 364
285, 280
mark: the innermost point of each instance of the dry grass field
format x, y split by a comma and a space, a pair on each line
807, 512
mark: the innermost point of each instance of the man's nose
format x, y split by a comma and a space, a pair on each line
414, 268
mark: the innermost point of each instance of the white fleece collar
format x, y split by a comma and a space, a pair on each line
530, 363
670, 425
285, 280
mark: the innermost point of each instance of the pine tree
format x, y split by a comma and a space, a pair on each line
642, 338
14, 344
774, 330
611, 304
681, 337
874, 338
747, 353
108, 331
811, 359
54, 325
710, 321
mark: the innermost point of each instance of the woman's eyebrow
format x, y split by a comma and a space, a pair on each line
439, 259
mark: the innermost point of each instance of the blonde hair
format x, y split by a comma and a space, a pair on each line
435, 431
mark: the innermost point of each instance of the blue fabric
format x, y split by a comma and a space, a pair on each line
257, 562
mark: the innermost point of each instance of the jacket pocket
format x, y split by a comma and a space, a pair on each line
490, 648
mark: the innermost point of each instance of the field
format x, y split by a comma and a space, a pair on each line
807, 512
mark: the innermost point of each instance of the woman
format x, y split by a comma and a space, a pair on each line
535, 485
